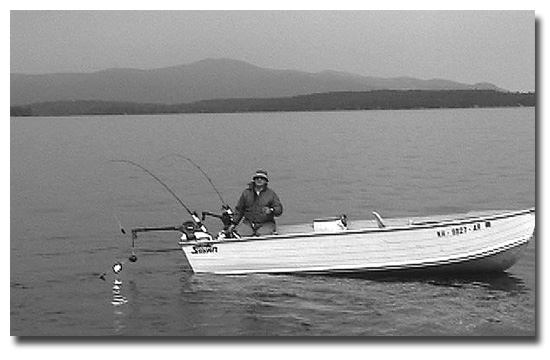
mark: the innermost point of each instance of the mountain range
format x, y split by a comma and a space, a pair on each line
206, 80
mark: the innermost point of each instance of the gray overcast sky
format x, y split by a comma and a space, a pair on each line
465, 46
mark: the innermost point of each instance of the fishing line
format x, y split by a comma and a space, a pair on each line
224, 203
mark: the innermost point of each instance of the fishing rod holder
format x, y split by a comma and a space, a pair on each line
190, 230
194, 229
226, 218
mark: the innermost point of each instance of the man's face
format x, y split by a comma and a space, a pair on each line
260, 181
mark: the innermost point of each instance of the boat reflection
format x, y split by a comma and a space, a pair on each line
497, 281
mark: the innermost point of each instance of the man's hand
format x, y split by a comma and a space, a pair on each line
267, 210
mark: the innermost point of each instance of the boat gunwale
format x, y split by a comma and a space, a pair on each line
438, 224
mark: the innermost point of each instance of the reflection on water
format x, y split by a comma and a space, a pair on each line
118, 298
117, 301
186, 281
498, 281
119, 324
504, 282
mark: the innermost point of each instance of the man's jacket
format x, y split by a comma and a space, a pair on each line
250, 205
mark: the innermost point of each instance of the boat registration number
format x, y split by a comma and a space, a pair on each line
463, 229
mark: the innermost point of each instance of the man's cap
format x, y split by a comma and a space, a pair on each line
261, 174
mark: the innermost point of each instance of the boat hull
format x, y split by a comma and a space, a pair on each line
488, 243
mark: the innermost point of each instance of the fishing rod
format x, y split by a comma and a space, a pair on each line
188, 228
224, 203
157, 179
193, 214
227, 214
196, 222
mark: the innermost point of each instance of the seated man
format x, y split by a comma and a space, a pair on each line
257, 206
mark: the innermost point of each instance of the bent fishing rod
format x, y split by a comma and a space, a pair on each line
224, 203
227, 214
157, 179
195, 224
187, 226
193, 214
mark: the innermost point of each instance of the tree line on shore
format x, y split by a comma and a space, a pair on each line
333, 101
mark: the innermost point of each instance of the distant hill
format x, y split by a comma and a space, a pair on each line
205, 80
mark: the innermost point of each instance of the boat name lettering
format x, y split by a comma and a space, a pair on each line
204, 249
464, 229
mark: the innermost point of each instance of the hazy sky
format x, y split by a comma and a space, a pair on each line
465, 46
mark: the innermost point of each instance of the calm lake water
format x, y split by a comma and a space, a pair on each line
67, 199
